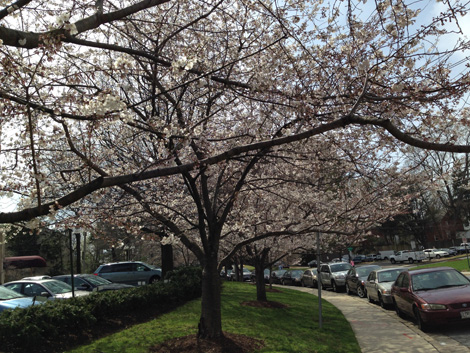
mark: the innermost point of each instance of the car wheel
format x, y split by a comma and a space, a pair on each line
419, 321
381, 301
334, 286
438, 256
361, 292
348, 291
392, 261
410, 260
154, 279
397, 310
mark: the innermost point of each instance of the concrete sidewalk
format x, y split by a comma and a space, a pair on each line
379, 330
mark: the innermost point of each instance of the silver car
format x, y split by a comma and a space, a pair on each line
379, 284
309, 278
334, 275
49, 288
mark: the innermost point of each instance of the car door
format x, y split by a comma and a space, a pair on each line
325, 275
371, 286
141, 274
403, 295
352, 279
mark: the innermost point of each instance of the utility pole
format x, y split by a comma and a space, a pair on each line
319, 285
2, 256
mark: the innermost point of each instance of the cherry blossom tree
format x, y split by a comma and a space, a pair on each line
128, 100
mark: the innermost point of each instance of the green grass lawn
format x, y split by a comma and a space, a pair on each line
460, 264
290, 329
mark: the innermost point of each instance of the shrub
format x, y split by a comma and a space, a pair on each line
54, 325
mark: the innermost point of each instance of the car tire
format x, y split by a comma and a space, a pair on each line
410, 260
334, 287
419, 321
154, 279
393, 261
438, 256
381, 301
348, 291
361, 292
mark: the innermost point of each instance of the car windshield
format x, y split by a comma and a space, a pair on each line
388, 276
438, 279
364, 271
97, 280
57, 287
6, 293
340, 267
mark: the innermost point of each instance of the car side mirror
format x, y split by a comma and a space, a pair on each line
45, 294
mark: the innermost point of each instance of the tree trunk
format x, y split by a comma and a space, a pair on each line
210, 323
260, 285
167, 259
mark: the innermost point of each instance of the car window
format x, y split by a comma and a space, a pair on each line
106, 269
140, 267
399, 281
57, 287
372, 276
7, 293
15, 286
32, 289
97, 280
406, 281
340, 267
389, 276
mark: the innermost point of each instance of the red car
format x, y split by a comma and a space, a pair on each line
432, 296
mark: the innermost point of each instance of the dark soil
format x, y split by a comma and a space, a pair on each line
230, 343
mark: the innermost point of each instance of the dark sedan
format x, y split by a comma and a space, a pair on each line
292, 278
356, 277
276, 276
91, 283
432, 296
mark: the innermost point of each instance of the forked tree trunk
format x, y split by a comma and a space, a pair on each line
210, 323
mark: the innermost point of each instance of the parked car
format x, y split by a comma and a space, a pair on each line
276, 276
309, 278
50, 288
359, 258
452, 250
91, 283
432, 296
130, 272
225, 275
9, 299
292, 277
247, 275
356, 277
334, 275
435, 253
379, 283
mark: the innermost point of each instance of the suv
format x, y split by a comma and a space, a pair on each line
129, 272
334, 275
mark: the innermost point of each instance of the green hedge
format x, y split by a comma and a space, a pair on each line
55, 325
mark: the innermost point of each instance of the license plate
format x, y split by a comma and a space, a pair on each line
465, 314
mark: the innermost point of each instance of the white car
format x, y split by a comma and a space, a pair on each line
435, 253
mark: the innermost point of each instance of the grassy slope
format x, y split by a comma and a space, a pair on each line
460, 264
291, 329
